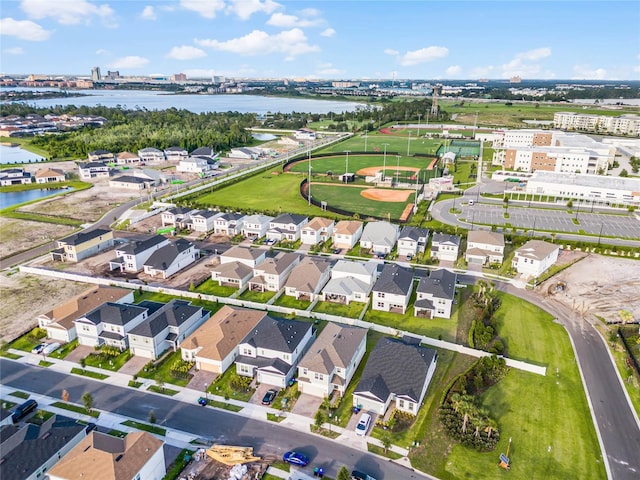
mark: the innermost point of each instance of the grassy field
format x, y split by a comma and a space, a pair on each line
396, 143
337, 164
547, 417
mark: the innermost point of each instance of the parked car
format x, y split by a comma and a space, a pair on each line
269, 397
363, 425
357, 475
23, 410
38, 348
50, 348
336, 251
296, 458
90, 427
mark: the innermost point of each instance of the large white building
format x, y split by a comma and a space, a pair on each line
590, 188
622, 125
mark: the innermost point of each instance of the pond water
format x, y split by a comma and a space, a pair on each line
8, 199
17, 155
264, 137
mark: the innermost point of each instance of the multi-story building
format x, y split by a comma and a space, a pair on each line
622, 125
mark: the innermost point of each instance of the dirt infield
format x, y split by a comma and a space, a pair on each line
382, 195
406, 213
372, 171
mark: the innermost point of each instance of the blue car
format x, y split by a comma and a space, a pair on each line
296, 458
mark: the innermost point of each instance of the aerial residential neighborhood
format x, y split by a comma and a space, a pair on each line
356, 241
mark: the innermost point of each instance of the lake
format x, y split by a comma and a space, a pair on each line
8, 199
17, 155
153, 100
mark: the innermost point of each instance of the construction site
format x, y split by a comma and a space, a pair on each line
225, 462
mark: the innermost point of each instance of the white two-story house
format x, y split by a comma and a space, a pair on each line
109, 324
131, 256
318, 230
392, 290
379, 237
445, 247
346, 233
412, 240
203, 221
484, 247
255, 226
287, 226
171, 258
435, 294
535, 257
270, 274
229, 224
350, 282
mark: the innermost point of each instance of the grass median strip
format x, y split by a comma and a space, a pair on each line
88, 373
76, 408
147, 428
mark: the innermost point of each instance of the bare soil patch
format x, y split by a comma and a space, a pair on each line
18, 235
601, 286
24, 297
383, 195
371, 171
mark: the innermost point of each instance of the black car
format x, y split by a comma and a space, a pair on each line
23, 410
269, 397
357, 475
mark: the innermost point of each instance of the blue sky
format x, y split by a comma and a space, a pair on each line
324, 39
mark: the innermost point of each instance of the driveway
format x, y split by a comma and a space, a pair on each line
307, 405
78, 353
201, 380
134, 365
256, 398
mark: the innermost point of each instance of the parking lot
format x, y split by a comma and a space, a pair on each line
528, 218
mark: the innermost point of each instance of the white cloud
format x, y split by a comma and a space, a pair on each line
67, 12
327, 70
206, 8
148, 13
23, 29
585, 72
310, 12
427, 54
520, 64
102, 51
328, 32
130, 62
290, 42
186, 52
453, 70
481, 72
636, 68
290, 21
535, 54
13, 51
243, 71
391, 51
245, 8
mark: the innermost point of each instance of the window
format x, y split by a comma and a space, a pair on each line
401, 403
380, 304
319, 376
244, 369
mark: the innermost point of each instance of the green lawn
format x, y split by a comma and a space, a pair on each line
259, 297
76, 408
65, 350
352, 310
212, 307
210, 287
337, 164
88, 373
223, 386
147, 428
163, 390
162, 372
536, 412
396, 144
108, 363
19, 394
29, 340
291, 302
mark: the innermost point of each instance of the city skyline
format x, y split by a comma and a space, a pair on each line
323, 40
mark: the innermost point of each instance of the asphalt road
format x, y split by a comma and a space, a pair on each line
214, 425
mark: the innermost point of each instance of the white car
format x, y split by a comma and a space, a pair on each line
363, 425
50, 348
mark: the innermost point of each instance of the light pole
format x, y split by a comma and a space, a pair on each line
330, 416
366, 133
408, 144
347, 162
384, 161
309, 179
397, 168
419, 117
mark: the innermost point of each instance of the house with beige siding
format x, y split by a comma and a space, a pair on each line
346, 233
82, 245
484, 248
270, 274
318, 230
308, 278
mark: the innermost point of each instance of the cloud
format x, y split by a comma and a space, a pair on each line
23, 29
453, 70
520, 64
479, 72
535, 54
206, 8
391, 51
13, 51
130, 62
67, 12
423, 55
185, 52
102, 51
328, 32
290, 42
243, 71
327, 70
148, 13
585, 72
245, 8
290, 21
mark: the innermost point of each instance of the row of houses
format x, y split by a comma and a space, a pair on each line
35, 124
19, 176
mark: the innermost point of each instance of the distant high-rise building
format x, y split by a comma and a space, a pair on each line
515, 79
437, 90
113, 75
95, 74
218, 79
178, 77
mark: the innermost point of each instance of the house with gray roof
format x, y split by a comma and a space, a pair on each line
255, 226
246, 255
396, 373
484, 247
131, 256
203, 221
435, 294
445, 247
171, 258
270, 274
151, 154
89, 170
287, 226
109, 324
131, 182
176, 215
270, 352
412, 240
392, 290
82, 245
350, 282
229, 224
232, 274
29, 450
332, 360
175, 154
165, 328
379, 237
307, 279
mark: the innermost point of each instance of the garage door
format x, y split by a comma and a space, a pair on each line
476, 260
271, 379
312, 389
369, 405
141, 352
207, 367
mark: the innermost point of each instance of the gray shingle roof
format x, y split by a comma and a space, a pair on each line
334, 347
394, 279
380, 233
172, 314
440, 283
114, 313
129, 179
164, 256
137, 246
396, 368
414, 233
446, 238
277, 334
289, 218
82, 237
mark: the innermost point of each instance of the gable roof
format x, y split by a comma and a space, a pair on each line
203, 151
257, 218
394, 279
440, 283
103, 457
179, 210
318, 223
175, 149
231, 217
395, 367
277, 334
172, 314
278, 264
380, 233
235, 270
164, 256
25, 448
347, 227
130, 179
154, 150
244, 253
413, 233
334, 347
346, 286
304, 276
138, 246
49, 172
489, 238
536, 249
354, 268
114, 313
75, 307
127, 155
289, 218
82, 237
219, 336
205, 214
446, 238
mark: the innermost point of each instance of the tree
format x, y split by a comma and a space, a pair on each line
385, 438
87, 401
624, 173
343, 474
160, 384
319, 418
570, 204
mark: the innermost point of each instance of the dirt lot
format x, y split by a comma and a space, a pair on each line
17, 235
601, 286
24, 297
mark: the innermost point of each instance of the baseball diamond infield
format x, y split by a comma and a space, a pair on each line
372, 171
386, 195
